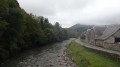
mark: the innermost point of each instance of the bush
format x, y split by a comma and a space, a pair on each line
3, 53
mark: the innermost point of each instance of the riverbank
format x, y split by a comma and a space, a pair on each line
53, 55
86, 58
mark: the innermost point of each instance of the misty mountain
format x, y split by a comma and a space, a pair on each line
81, 28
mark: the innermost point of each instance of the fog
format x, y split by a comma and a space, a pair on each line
70, 12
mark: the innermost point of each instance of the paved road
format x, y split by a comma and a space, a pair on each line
97, 48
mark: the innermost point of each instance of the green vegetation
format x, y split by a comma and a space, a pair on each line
86, 58
19, 30
80, 28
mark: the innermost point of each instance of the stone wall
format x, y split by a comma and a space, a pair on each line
111, 46
99, 43
107, 54
117, 34
110, 40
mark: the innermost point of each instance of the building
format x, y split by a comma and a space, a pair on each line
87, 37
94, 33
110, 38
98, 30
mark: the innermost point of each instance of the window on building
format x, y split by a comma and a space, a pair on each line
117, 40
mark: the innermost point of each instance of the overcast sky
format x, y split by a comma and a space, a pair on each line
70, 12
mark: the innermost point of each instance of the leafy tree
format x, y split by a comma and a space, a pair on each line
4, 9
19, 30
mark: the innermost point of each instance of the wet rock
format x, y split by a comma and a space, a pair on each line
18, 65
28, 66
65, 58
50, 61
21, 63
58, 55
51, 64
63, 55
66, 64
59, 61
29, 59
60, 64
37, 65
25, 63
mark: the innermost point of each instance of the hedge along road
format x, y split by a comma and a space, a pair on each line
52, 55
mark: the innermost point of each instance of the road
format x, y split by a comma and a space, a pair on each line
97, 48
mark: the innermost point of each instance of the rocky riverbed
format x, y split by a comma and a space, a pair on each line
53, 55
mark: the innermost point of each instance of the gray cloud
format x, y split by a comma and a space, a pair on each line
113, 19
70, 12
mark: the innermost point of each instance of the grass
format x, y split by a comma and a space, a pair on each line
86, 58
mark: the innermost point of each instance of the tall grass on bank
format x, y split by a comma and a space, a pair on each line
86, 58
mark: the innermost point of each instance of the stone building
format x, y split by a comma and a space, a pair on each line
87, 37
94, 33
98, 30
110, 38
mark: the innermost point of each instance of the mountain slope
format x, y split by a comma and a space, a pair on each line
81, 28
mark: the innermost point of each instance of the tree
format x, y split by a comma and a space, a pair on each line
19, 30
4, 9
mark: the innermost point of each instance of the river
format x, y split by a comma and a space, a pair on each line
52, 55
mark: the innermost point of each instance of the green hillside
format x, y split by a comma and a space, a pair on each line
19, 30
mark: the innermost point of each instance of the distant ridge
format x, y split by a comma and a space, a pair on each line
81, 27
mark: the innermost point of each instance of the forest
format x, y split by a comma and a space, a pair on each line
20, 30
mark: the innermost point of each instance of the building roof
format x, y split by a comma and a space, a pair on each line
99, 29
109, 31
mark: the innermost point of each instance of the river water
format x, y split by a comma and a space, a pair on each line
52, 55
